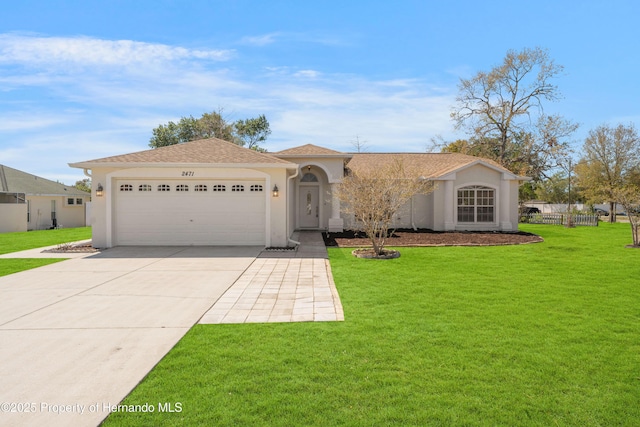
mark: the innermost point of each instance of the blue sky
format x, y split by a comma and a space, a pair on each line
86, 79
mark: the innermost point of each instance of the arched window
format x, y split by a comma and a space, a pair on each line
309, 177
476, 204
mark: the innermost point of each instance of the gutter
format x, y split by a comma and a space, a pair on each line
289, 239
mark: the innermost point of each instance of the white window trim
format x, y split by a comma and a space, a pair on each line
478, 225
72, 201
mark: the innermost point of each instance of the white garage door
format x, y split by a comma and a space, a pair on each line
210, 212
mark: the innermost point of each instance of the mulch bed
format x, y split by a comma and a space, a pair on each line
67, 248
421, 237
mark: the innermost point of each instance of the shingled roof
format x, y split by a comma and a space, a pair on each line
310, 150
202, 151
428, 165
16, 181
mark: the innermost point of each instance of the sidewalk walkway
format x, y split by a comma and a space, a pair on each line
287, 286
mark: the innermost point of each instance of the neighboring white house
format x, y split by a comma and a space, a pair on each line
213, 192
29, 202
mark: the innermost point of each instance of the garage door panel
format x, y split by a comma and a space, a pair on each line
189, 218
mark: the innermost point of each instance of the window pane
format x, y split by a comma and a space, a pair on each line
465, 214
476, 204
485, 214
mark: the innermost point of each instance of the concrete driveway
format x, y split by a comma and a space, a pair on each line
77, 336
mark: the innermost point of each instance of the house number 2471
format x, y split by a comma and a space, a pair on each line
188, 173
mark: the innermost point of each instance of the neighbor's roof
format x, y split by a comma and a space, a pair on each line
202, 151
310, 150
15, 181
428, 165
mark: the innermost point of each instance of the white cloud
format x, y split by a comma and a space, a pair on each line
327, 39
262, 40
86, 51
113, 113
21, 121
309, 74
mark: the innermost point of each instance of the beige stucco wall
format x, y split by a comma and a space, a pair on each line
506, 198
277, 206
13, 217
438, 210
68, 216
333, 168
328, 171
437, 222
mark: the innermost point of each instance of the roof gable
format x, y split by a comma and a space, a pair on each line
309, 150
429, 165
15, 181
202, 151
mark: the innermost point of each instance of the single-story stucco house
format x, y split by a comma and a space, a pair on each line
30, 202
213, 192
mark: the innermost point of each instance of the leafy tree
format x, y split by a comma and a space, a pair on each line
611, 162
555, 189
212, 125
84, 185
503, 113
374, 195
252, 131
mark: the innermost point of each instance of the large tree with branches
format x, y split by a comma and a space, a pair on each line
502, 110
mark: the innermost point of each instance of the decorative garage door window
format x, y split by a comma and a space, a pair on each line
237, 187
126, 187
182, 187
218, 187
164, 187
199, 187
144, 187
256, 187
476, 204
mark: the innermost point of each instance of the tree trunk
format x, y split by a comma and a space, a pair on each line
612, 212
634, 230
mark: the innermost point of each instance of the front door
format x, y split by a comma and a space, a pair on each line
309, 208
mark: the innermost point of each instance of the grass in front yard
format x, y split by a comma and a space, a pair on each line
541, 334
14, 265
14, 242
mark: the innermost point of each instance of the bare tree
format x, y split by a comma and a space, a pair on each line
611, 160
374, 195
502, 110
359, 145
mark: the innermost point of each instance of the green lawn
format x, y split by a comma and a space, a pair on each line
544, 334
14, 242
